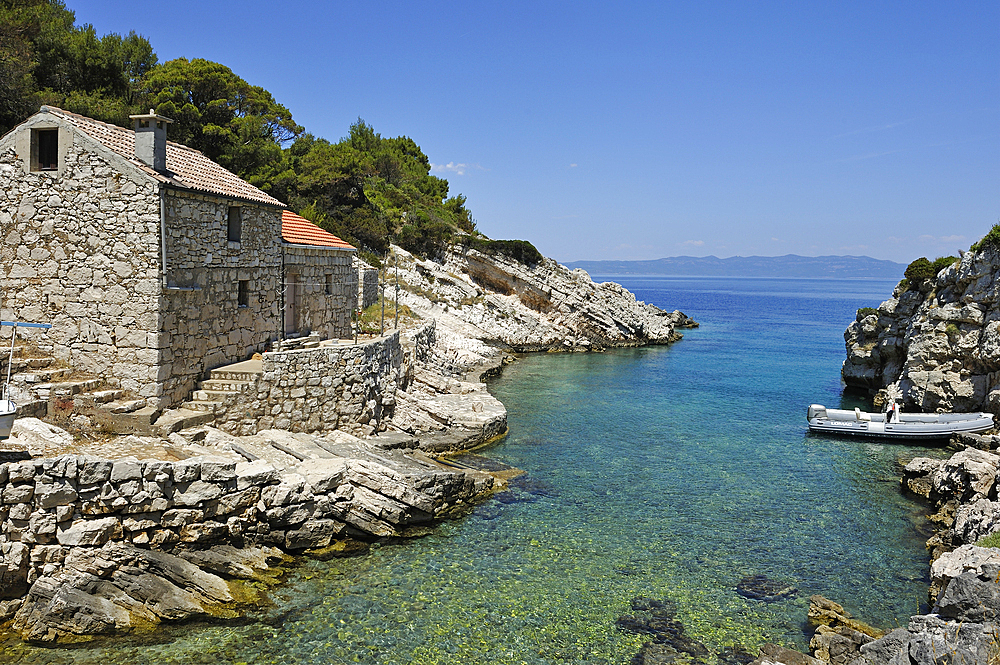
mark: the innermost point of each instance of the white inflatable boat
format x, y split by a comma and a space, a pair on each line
894, 424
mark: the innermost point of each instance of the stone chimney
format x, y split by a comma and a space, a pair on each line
151, 140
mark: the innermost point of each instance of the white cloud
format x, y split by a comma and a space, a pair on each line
694, 243
457, 169
572, 166
943, 240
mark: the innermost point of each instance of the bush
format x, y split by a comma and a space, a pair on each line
991, 239
425, 236
951, 330
864, 312
943, 262
919, 270
519, 250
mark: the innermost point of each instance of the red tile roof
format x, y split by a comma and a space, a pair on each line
186, 168
300, 231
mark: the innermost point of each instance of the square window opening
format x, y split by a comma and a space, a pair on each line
45, 149
243, 293
234, 229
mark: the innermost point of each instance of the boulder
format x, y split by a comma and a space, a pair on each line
40, 437
117, 589
964, 559
966, 476
974, 521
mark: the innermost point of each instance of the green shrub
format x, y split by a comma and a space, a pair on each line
865, 311
943, 262
991, 239
919, 270
519, 250
991, 540
904, 285
951, 330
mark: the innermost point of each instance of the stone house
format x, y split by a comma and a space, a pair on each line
152, 263
321, 282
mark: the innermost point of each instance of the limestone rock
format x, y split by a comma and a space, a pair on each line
967, 475
114, 589
967, 558
938, 341
975, 520
40, 437
771, 654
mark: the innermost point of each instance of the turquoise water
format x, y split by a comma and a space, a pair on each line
668, 472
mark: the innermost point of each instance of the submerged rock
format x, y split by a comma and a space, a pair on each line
656, 618
761, 587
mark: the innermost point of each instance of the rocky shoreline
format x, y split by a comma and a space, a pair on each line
118, 534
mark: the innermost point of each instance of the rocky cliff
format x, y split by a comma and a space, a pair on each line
483, 301
936, 340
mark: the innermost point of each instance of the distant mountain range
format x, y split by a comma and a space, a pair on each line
790, 265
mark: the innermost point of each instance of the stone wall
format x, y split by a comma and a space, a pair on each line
326, 290
50, 506
80, 250
367, 283
204, 325
350, 387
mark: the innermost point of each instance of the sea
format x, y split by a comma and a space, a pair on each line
668, 472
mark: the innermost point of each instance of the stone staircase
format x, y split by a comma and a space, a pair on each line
223, 385
41, 385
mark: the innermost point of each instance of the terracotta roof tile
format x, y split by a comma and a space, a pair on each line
300, 231
187, 168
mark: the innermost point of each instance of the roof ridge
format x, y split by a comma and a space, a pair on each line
187, 167
111, 125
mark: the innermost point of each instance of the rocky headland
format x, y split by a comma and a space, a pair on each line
935, 346
104, 534
936, 340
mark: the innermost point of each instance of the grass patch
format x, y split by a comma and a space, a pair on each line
991, 540
370, 320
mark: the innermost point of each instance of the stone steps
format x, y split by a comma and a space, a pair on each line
224, 385
211, 395
201, 405
42, 375
231, 375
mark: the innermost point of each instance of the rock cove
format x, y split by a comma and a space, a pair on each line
116, 542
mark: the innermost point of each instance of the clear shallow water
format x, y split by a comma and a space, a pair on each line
669, 472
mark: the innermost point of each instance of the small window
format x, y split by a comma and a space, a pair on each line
243, 293
235, 226
329, 285
45, 149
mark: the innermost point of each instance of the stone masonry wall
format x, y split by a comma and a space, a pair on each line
204, 326
367, 284
79, 248
48, 506
327, 290
350, 387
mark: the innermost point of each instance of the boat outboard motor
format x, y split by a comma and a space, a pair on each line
816, 411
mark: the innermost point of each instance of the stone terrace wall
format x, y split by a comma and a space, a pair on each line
79, 248
206, 327
348, 387
48, 506
318, 271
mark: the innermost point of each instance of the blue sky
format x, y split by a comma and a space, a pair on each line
639, 130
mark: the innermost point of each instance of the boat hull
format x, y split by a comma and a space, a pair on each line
8, 412
908, 426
